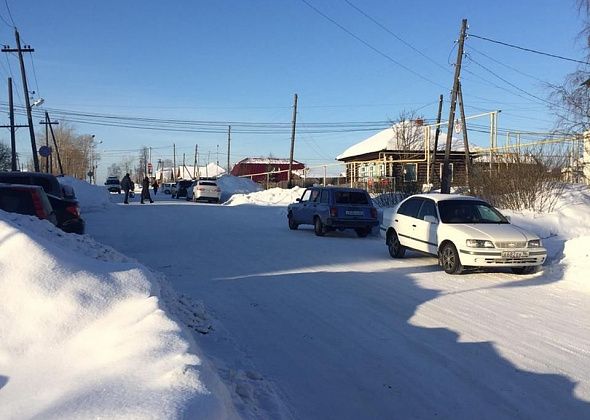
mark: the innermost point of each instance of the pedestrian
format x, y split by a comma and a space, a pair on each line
126, 186
145, 190
155, 187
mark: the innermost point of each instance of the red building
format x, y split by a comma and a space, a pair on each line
265, 169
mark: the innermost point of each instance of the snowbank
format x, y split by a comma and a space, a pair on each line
271, 197
231, 185
90, 197
84, 334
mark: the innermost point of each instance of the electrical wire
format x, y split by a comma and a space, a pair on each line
527, 49
9, 13
368, 45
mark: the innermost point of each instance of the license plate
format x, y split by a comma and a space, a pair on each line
354, 213
515, 254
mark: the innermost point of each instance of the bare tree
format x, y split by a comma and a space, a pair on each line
5, 158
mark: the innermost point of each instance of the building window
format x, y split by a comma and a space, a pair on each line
410, 172
450, 168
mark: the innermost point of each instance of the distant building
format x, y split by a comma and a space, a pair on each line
265, 169
189, 172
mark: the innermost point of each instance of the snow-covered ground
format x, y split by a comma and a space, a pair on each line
220, 311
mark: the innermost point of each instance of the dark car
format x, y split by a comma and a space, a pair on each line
331, 208
113, 184
180, 189
26, 199
62, 197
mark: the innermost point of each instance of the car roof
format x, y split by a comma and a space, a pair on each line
446, 197
20, 186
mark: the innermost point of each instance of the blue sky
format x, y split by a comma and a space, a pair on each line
243, 61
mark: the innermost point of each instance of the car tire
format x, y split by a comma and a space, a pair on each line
524, 270
292, 224
449, 259
362, 232
318, 227
396, 249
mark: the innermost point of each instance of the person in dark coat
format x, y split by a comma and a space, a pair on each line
155, 187
145, 190
126, 185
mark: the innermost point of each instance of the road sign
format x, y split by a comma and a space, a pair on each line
45, 151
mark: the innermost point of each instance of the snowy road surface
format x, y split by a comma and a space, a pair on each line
308, 327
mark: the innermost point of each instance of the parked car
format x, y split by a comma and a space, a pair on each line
62, 197
167, 187
331, 208
27, 199
205, 190
179, 190
462, 232
113, 184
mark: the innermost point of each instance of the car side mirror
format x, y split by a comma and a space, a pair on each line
508, 218
431, 219
298, 199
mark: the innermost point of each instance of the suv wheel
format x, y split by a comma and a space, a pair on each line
449, 259
292, 224
318, 227
396, 249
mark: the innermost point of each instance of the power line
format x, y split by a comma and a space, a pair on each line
528, 49
376, 22
507, 66
9, 13
378, 51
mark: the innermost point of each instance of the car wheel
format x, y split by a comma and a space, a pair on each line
449, 259
318, 227
524, 270
292, 224
362, 232
396, 249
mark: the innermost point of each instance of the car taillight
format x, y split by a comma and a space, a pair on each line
41, 214
74, 210
333, 211
373, 212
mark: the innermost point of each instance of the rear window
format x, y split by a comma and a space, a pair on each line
45, 183
212, 184
112, 182
351, 197
16, 201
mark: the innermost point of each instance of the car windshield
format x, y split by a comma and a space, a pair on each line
469, 211
351, 197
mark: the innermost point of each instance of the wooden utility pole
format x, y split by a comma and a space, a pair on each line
48, 123
228, 147
437, 133
294, 124
174, 162
61, 169
12, 129
195, 169
465, 139
445, 187
20, 51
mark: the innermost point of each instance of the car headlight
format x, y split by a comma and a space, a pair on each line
479, 243
534, 243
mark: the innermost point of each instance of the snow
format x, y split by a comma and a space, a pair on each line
389, 140
223, 312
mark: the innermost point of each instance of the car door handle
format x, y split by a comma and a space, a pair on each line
395, 220
413, 225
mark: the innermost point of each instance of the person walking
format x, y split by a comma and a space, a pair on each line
155, 187
145, 190
126, 186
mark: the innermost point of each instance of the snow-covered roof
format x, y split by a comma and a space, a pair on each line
268, 161
393, 139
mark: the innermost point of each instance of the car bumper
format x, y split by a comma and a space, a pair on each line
114, 189
207, 196
350, 223
498, 258
73, 226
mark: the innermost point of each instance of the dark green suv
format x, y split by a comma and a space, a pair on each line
333, 208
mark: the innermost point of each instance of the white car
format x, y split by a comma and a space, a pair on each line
205, 189
462, 231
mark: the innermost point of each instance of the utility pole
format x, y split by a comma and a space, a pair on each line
290, 174
174, 162
228, 147
12, 129
465, 139
195, 169
47, 123
445, 187
61, 169
20, 51
437, 133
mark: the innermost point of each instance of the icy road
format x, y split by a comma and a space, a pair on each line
304, 327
